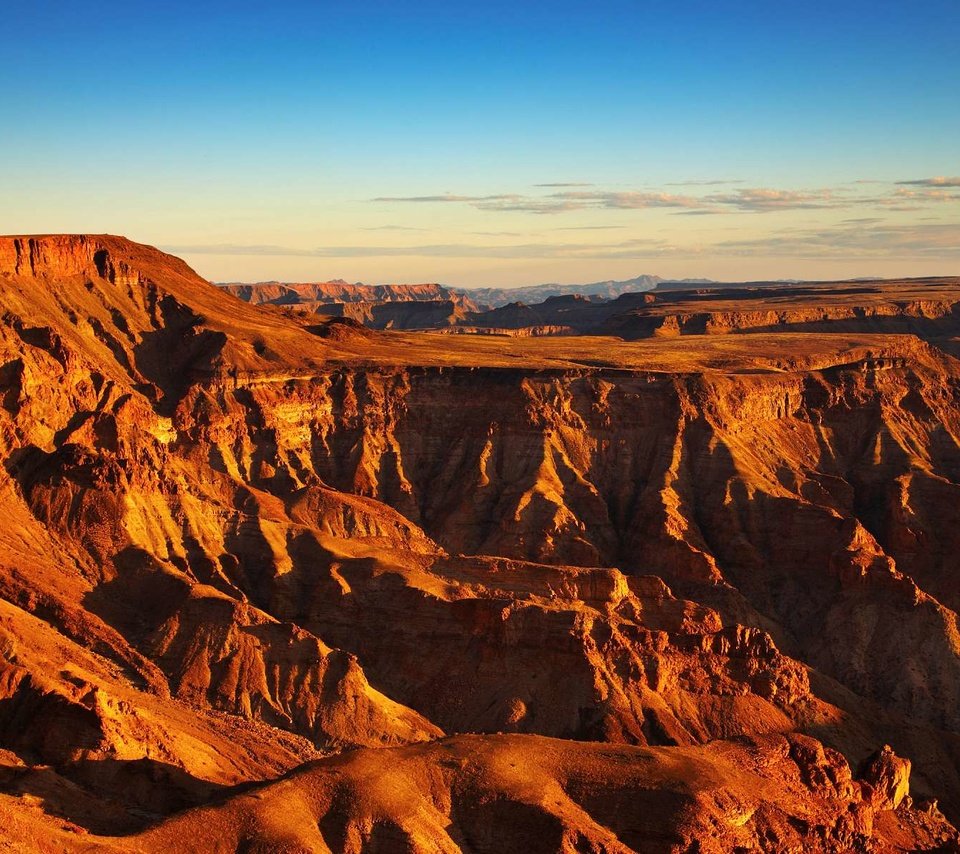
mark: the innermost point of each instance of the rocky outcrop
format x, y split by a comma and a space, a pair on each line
377, 306
926, 316
928, 308
887, 777
635, 309
338, 291
501, 793
66, 255
510, 332
222, 653
582, 654
395, 314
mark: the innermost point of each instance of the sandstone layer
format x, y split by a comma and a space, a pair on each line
928, 308
376, 306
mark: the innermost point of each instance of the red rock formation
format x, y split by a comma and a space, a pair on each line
376, 306
287, 293
238, 538
926, 307
502, 793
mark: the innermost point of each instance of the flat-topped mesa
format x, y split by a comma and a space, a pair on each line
108, 257
61, 254
926, 307
311, 294
334, 291
147, 312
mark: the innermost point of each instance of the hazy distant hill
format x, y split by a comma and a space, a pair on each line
496, 297
316, 294
339, 291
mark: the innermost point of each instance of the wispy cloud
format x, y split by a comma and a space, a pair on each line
864, 233
903, 196
928, 194
553, 203
766, 199
712, 183
626, 200
627, 248
853, 239
939, 181
868, 241
497, 202
446, 197
702, 212
745, 200
587, 227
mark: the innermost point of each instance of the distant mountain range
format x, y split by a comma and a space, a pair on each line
339, 291
610, 289
288, 293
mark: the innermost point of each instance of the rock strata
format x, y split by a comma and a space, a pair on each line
335, 589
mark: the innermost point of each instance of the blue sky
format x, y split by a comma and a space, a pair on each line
410, 141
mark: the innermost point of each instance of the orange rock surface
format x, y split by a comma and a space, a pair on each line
377, 306
270, 582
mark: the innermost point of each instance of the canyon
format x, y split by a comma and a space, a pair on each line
670, 571
654, 308
470, 299
377, 306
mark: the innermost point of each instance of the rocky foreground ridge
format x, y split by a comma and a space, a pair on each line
275, 583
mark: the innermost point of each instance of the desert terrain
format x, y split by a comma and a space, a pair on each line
660, 571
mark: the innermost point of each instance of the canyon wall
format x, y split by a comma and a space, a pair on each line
238, 539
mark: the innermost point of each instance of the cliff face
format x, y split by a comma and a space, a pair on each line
808, 493
238, 539
366, 298
394, 314
928, 308
928, 318
66, 255
338, 291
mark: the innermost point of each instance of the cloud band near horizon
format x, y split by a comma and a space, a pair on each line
746, 200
